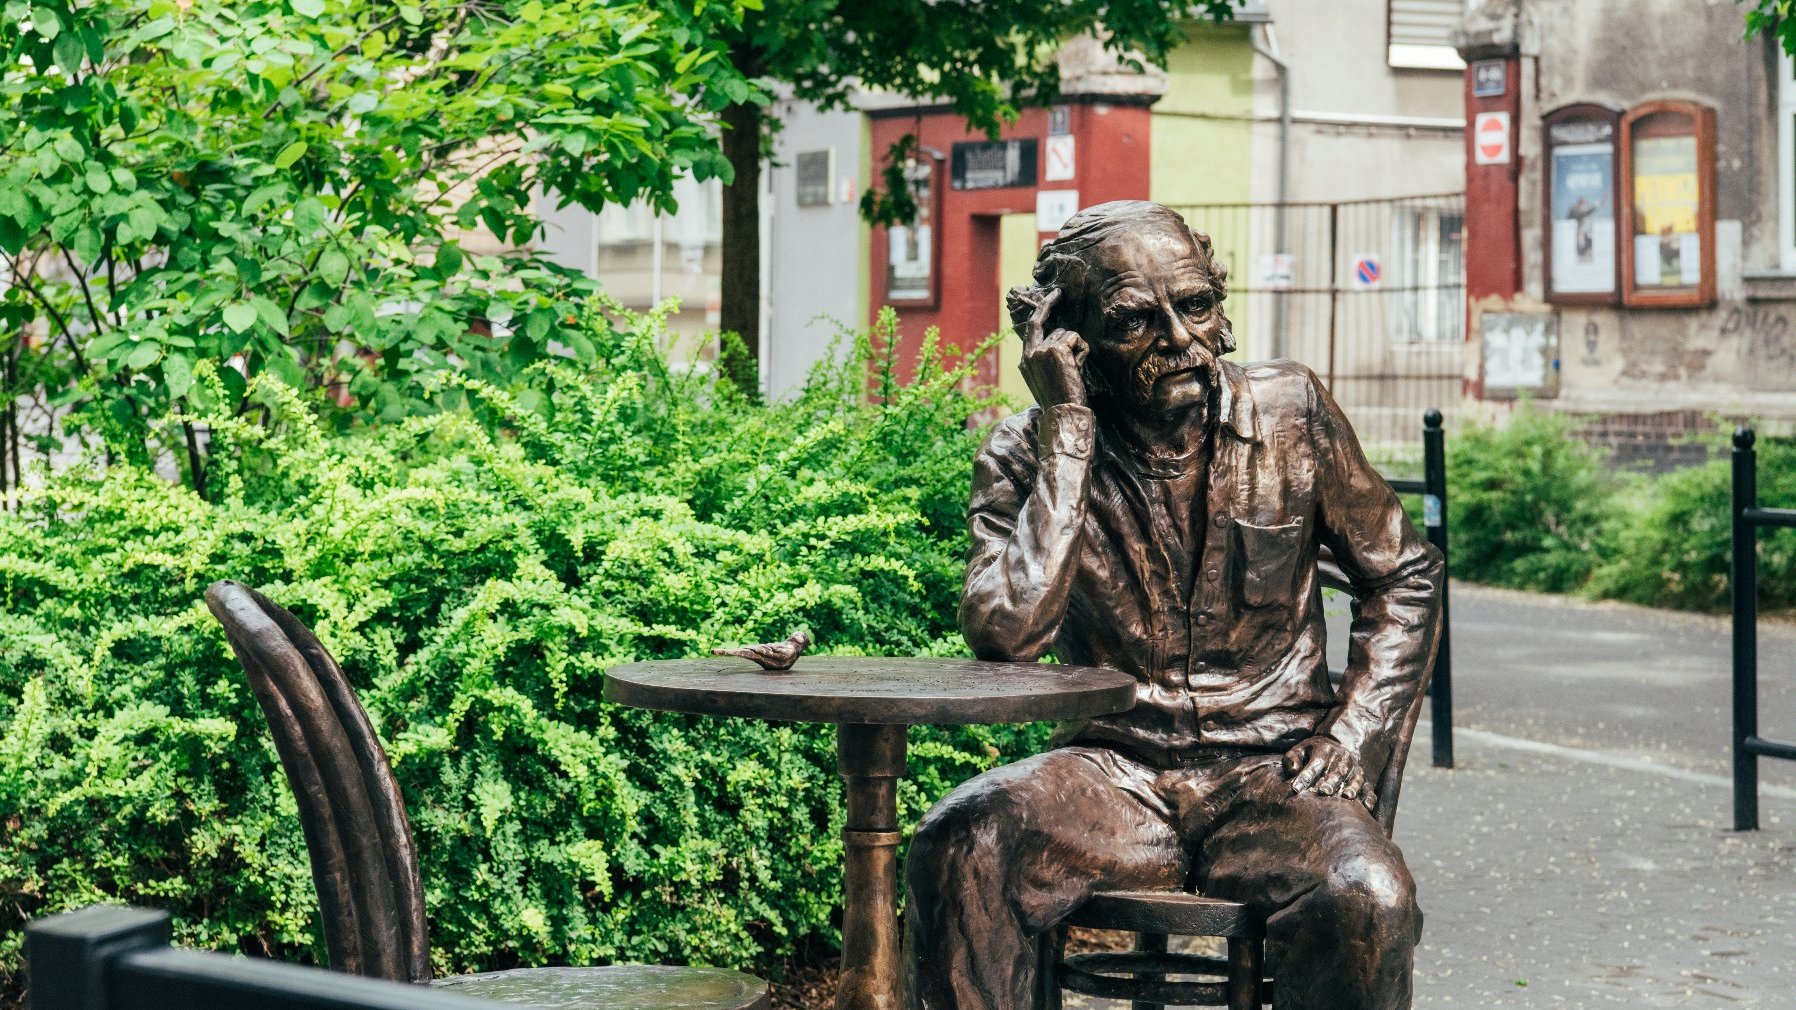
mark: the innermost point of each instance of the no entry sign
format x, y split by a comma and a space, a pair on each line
1490, 138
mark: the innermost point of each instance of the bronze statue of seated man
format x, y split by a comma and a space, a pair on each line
1160, 512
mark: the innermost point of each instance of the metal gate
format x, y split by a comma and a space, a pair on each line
1368, 293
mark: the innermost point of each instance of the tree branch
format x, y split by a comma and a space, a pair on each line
23, 280
332, 58
87, 295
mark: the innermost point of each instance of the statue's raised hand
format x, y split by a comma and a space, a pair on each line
1052, 363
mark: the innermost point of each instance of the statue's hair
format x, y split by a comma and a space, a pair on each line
1065, 261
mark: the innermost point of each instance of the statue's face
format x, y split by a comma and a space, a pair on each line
1156, 317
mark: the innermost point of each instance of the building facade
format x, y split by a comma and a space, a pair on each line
1632, 216
1305, 140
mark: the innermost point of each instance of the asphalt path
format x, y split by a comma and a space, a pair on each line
1609, 678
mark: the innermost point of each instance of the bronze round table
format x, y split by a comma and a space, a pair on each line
872, 700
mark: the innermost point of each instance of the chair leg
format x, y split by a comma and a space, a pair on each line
1050, 947
1154, 943
1246, 968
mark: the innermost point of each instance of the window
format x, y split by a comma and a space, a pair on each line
912, 249
1668, 171
1419, 34
1428, 286
1580, 205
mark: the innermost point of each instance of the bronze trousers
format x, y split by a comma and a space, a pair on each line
1009, 853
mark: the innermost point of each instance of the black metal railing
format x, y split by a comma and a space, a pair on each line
1433, 489
1743, 585
112, 957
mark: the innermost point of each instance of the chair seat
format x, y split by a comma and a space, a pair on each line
616, 987
1166, 912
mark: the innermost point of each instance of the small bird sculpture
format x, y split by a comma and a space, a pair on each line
772, 656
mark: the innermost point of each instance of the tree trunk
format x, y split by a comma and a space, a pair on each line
740, 311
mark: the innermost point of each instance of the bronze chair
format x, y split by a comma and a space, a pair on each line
364, 865
1139, 975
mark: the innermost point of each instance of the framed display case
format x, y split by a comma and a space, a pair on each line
1581, 226
1668, 188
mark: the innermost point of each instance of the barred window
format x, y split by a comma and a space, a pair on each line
1419, 34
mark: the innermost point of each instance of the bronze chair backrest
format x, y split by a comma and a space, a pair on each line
370, 893
1390, 782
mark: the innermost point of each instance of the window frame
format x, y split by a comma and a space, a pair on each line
1422, 291
925, 163
1701, 294
1574, 113
1417, 56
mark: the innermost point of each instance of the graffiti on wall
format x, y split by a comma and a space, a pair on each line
1765, 333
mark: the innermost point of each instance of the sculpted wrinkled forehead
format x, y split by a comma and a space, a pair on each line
1113, 247
1124, 266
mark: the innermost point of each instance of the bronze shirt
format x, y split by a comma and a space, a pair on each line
1073, 551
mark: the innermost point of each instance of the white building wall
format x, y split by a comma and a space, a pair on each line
817, 255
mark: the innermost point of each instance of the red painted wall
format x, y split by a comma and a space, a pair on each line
1111, 163
1493, 229
1493, 249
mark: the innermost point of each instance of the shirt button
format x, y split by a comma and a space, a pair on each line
1203, 619
1220, 521
1212, 575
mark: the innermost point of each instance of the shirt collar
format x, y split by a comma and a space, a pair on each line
1235, 401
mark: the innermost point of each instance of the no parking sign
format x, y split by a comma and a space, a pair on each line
1366, 273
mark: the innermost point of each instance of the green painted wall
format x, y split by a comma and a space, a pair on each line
1202, 148
1202, 145
1016, 258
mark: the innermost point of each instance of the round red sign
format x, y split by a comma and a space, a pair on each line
1493, 137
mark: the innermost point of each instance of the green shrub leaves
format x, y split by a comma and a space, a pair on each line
476, 570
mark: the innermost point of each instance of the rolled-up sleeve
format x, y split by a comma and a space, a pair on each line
1026, 514
1396, 579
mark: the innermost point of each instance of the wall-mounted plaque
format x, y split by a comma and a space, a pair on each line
1490, 78
1521, 354
992, 164
816, 172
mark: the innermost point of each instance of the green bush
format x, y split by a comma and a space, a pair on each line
1530, 506
1676, 547
1534, 507
476, 571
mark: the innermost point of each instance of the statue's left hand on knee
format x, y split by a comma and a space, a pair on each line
1327, 767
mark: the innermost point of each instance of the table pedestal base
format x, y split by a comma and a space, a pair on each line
871, 760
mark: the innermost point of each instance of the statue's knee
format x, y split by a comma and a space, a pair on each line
1375, 893
947, 841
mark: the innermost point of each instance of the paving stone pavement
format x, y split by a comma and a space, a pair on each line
1553, 882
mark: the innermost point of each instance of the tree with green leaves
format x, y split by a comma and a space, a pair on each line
986, 60
238, 187
1772, 17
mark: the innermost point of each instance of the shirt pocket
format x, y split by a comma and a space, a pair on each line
1268, 561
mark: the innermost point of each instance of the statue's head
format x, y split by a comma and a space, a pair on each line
1145, 292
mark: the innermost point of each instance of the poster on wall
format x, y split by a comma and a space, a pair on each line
1583, 216
910, 265
1521, 353
1667, 244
